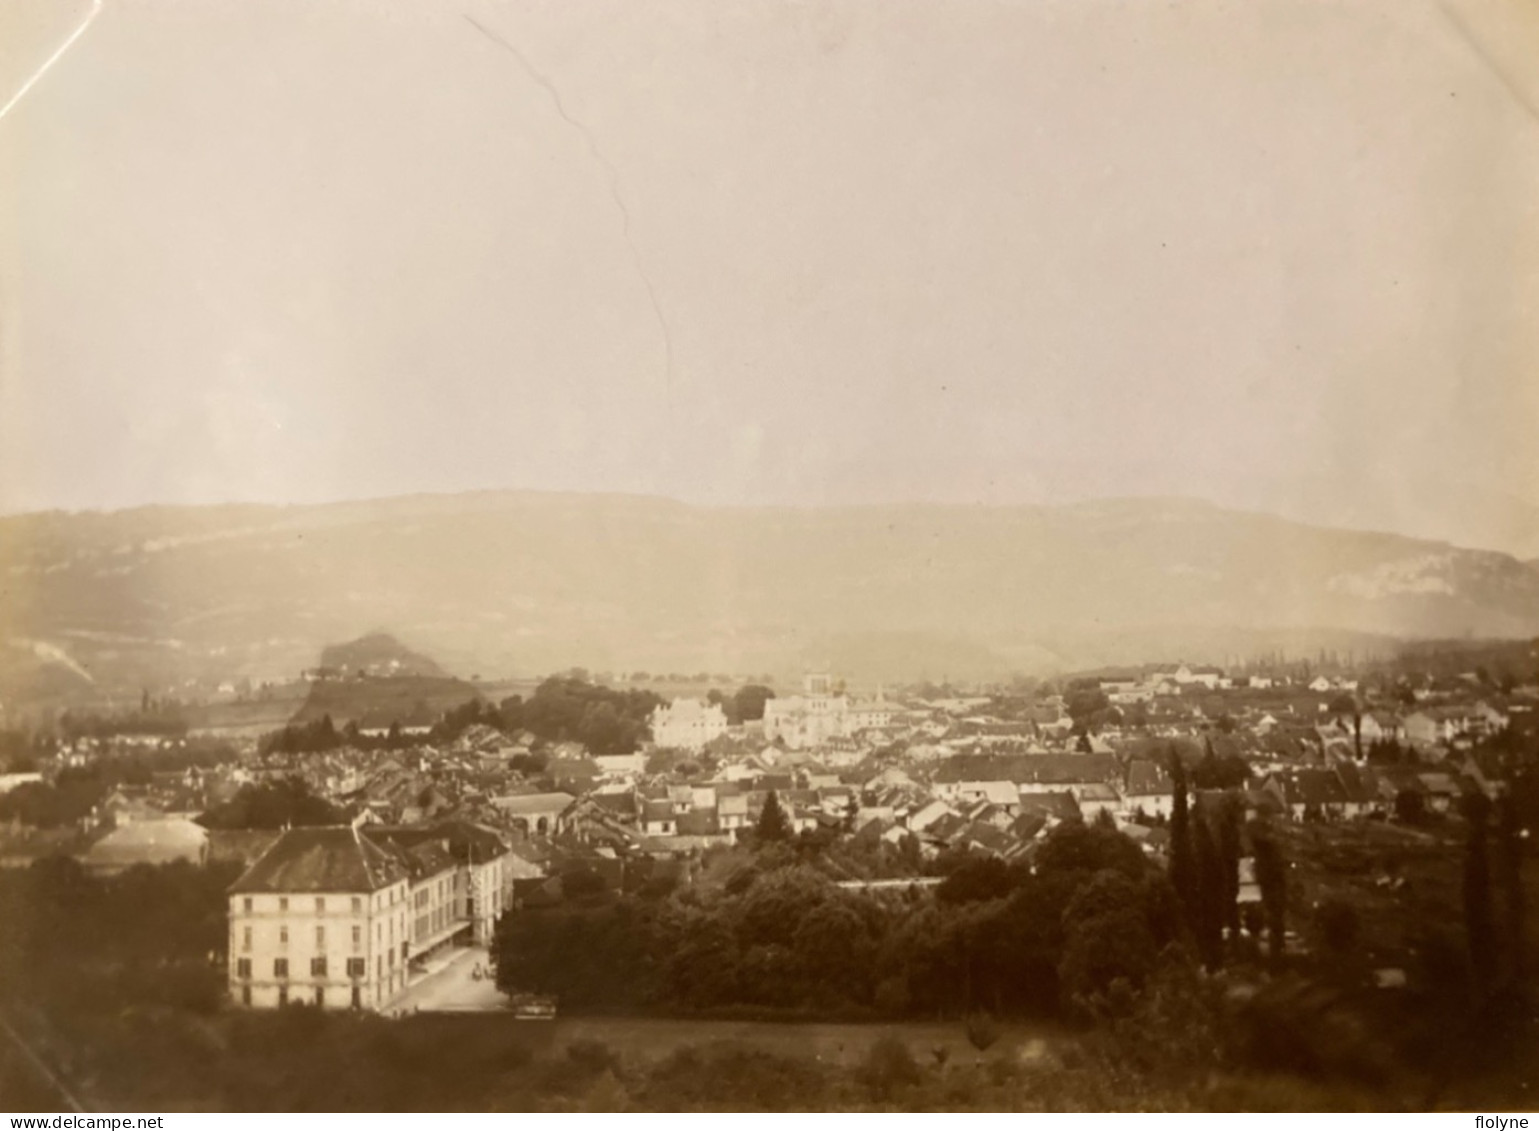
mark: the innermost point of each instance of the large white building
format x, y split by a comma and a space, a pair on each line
320, 917
335, 916
688, 724
821, 713
871, 714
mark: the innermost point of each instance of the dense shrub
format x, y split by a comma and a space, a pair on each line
888, 1069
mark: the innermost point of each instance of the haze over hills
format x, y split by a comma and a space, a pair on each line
497, 584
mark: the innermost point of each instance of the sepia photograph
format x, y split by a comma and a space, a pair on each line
768, 556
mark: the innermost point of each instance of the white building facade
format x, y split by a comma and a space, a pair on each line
809, 719
688, 724
334, 917
320, 918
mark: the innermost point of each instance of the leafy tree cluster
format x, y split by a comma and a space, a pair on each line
1516, 751
44, 805
780, 935
155, 717
530, 765
137, 767
563, 709
322, 734
272, 805
684, 764
471, 713
842, 857
1212, 771
1087, 705
306, 738
74, 944
1343, 705
21, 751
69, 798
75, 791
1389, 752
746, 704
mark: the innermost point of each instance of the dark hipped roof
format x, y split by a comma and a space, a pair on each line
332, 858
702, 823
468, 842
619, 804
429, 858
1050, 769
658, 811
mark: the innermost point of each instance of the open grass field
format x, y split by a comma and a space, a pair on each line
828, 1044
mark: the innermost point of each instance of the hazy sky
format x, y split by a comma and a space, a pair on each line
1282, 255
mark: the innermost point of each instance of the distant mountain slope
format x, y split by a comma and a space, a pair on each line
504, 583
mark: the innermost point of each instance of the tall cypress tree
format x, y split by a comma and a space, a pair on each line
1183, 873
1272, 879
1228, 817
1509, 878
773, 826
1479, 928
1209, 907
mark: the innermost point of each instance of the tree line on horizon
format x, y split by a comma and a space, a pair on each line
563, 708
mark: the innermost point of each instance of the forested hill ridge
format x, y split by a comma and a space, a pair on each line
503, 583
378, 654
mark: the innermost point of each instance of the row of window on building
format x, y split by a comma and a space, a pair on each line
356, 905
356, 967
320, 937
320, 996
